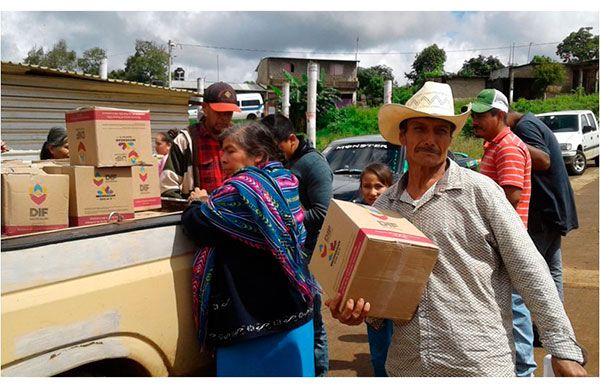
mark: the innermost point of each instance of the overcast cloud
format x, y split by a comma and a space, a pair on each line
385, 38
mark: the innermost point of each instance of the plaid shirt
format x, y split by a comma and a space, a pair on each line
209, 153
463, 325
177, 177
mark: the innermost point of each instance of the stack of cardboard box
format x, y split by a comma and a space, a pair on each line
112, 170
111, 173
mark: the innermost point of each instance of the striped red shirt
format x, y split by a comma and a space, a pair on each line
507, 161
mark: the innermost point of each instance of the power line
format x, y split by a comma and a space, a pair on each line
356, 52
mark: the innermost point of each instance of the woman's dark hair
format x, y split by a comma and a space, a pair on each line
57, 137
381, 171
280, 126
167, 137
254, 138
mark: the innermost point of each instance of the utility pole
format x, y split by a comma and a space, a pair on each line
171, 45
311, 104
387, 92
356, 52
285, 104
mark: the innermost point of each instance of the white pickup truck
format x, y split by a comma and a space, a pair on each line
108, 300
578, 136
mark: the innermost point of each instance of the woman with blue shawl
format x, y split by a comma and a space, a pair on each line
251, 289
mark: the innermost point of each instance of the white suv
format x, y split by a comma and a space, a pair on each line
577, 134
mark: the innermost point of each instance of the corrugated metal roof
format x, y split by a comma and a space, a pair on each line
20, 68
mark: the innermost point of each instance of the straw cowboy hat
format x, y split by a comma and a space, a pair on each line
433, 100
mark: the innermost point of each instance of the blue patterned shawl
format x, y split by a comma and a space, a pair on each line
258, 206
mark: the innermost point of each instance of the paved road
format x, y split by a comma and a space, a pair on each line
348, 347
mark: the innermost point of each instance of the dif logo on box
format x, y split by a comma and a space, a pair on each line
104, 192
38, 195
143, 175
129, 147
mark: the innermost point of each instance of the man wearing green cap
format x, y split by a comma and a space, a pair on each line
507, 161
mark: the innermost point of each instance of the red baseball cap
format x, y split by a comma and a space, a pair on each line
221, 98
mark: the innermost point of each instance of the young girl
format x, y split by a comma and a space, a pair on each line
374, 180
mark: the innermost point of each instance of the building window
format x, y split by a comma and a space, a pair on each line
336, 69
289, 67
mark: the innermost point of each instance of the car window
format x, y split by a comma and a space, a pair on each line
356, 156
561, 123
591, 121
250, 103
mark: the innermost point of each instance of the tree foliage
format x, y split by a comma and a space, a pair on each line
58, 58
547, 72
371, 80
326, 99
480, 66
149, 63
578, 46
89, 63
428, 64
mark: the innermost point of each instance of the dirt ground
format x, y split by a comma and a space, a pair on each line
349, 349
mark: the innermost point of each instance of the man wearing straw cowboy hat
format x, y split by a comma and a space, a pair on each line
463, 325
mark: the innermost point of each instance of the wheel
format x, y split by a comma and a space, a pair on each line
597, 161
577, 166
251, 116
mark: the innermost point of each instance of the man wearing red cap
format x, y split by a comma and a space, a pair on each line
200, 166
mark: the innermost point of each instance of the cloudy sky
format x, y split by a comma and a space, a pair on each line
228, 45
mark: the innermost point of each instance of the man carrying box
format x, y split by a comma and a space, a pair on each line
463, 325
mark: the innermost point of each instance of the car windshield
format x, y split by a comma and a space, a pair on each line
561, 123
353, 158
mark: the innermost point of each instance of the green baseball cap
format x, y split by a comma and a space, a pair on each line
488, 99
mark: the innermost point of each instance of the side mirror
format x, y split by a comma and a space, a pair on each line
587, 128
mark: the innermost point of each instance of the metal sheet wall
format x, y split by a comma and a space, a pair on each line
32, 104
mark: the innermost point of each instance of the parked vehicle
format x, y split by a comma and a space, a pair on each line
349, 156
107, 300
251, 105
577, 134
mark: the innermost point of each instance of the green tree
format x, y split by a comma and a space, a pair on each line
428, 64
480, 66
58, 58
148, 64
326, 99
401, 94
578, 46
547, 72
89, 63
35, 56
371, 80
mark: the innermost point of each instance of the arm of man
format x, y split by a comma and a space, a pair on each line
171, 178
530, 277
318, 180
533, 137
513, 194
540, 161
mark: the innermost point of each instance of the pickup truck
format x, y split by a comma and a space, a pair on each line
577, 134
101, 300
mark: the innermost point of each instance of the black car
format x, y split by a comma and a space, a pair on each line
349, 156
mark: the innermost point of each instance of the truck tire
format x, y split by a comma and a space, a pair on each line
577, 165
251, 116
597, 161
